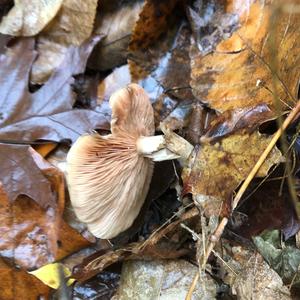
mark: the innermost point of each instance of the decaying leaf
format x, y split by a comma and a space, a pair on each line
18, 284
258, 281
238, 74
284, 259
71, 27
20, 173
216, 169
156, 19
115, 21
32, 236
48, 113
169, 279
28, 18
152, 22
268, 208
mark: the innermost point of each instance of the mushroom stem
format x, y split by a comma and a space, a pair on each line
155, 147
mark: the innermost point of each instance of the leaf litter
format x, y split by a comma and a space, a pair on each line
208, 70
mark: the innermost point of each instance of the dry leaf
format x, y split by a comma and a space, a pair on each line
216, 170
28, 18
71, 27
238, 75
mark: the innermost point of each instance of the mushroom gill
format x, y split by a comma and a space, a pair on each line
108, 178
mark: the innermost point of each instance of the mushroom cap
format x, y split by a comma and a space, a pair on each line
108, 178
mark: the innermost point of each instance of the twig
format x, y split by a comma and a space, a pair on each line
219, 231
192, 287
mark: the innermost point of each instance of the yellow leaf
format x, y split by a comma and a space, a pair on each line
49, 275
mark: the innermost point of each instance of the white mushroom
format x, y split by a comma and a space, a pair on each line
109, 176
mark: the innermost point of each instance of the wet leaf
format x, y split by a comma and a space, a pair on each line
268, 207
48, 113
18, 284
238, 75
20, 174
152, 22
32, 236
71, 27
28, 18
115, 20
285, 260
216, 169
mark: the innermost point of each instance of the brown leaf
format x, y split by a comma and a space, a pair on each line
32, 236
268, 208
152, 22
28, 18
21, 174
216, 170
115, 20
238, 74
257, 273
151, 36
18, 284
48, 113
71, 27
249, 118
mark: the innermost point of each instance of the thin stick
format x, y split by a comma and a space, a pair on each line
219, 231
267, 151
192, 287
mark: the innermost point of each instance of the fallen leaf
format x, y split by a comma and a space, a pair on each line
20, 174
249, 118
152, 22
44, 148
49, 275
257, 280
18, 284
71, 27
285, 260
48, 113
28, 18
32, 236
216, 169
238, 74
115, 21
268, 207
155, 20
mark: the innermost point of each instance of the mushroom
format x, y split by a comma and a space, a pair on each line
109, 176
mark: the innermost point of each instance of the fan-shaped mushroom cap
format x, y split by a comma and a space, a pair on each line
108, 178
